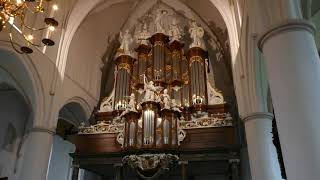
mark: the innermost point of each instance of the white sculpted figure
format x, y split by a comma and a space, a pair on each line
106, 106
142, 37
159, 25
174, 106
175, 31
196, 34
166, 99
132, 103
150, 91
126, 40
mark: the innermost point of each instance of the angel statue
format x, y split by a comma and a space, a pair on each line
143, 35
166, 99
149, 89
175, 31
132, 103
196, 34
159, 25
126, 40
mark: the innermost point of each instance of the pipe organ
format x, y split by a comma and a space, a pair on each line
155, 88
161, 97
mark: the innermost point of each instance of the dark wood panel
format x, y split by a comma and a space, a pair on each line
208, 138
96, 143
197, 139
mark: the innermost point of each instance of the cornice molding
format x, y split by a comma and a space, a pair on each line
289, 25
258, 115
44, 130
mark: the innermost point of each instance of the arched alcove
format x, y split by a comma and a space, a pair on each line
19, 71
15, 119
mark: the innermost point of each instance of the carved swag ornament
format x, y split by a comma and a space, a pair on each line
151, 166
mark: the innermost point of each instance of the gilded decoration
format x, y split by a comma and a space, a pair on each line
125, 66
216, 120
176, 54
168, 67
151, 166
102, 128
143, 57
196, 59
159, 43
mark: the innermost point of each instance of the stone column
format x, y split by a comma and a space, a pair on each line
263, 156
184, 167
234, 164
75, 173
118, 171
36, 155
293, 67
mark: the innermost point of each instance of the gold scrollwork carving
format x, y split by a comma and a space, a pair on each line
125, 66
196, 59
143, 57
176, 54
185, 77
168, 67
159, 43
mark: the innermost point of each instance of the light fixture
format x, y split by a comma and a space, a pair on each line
14, 13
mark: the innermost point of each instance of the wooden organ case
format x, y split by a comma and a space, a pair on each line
163, 112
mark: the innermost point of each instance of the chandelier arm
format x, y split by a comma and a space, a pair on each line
33, 44
34, 29
12, 43
17, 8
24, 37
31, 10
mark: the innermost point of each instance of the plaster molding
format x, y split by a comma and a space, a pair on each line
43, 129
258, 115
287, 26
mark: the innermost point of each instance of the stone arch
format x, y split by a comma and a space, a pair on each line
229, 18
22, 74
79, 108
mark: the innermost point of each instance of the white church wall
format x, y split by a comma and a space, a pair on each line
86, 50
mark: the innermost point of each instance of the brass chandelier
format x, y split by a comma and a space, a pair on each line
14, 13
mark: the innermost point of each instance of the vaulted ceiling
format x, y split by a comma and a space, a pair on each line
104, 22
95, 40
